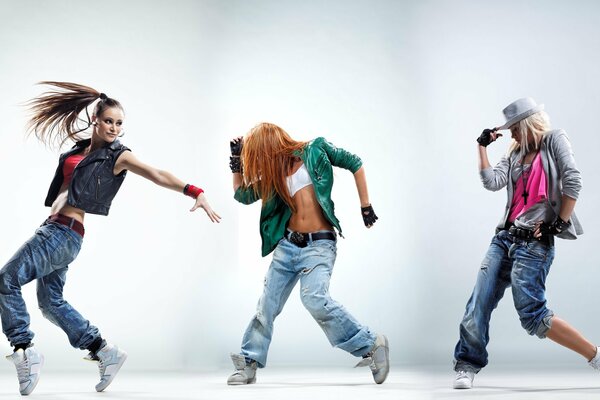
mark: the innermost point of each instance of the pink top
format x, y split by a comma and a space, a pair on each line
535, 179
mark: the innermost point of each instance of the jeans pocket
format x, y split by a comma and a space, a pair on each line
64, 254
327, 244
537, 249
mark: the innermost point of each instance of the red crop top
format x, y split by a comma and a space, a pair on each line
69, 166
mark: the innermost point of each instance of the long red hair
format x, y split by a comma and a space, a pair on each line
268, 157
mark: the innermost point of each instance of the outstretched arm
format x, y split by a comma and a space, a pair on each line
127, 161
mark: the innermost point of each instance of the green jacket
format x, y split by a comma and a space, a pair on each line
319, 156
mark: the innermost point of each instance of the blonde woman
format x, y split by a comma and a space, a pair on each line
294, 181
543, 185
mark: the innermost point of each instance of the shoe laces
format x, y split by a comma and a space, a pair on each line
463, 374
101, 367
367, 361
23, 370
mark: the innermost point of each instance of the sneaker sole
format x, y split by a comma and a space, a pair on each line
250, 382
99, 387
462, 386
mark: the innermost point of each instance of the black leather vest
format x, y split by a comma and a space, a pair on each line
93, 186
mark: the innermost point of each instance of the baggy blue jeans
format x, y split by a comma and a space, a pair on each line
510, 261
312, 265
45, 257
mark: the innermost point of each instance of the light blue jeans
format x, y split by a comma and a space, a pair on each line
45, 257
522, 265
312, 265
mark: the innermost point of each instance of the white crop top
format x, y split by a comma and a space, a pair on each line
300, 179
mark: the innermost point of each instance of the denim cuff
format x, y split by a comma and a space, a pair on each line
465, 366
545, 325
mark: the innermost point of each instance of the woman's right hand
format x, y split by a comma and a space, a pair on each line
235, 145
488, 136
235, 161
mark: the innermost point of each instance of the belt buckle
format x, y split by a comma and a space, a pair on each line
297, 238
521, 233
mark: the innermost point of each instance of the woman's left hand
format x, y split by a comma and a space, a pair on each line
201, 202
368, 215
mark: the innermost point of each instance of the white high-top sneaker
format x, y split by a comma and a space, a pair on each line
110, 359
378, 359
595, 362
245, 373
464, 379
28, 363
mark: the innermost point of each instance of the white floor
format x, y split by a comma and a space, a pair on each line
315, 384
273, 384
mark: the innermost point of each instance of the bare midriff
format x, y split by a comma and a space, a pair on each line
309, 214
60, 206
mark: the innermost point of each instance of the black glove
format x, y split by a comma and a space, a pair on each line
558, 226
486, 137
235, 161
368, 215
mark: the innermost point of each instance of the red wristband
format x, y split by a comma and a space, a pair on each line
192, 191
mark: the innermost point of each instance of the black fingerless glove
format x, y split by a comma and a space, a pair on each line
235, 164
558, 226
368, 215
235, 161
485, 138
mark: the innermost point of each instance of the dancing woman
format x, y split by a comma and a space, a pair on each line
543, 185
294, 180
86, 181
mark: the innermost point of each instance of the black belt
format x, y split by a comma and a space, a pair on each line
302, 239
527, 234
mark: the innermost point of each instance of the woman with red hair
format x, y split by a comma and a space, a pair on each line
294, 181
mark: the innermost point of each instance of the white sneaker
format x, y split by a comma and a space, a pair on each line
595, 362
110, 359
464, 380
28, 363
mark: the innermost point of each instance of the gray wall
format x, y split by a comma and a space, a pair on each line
407, 86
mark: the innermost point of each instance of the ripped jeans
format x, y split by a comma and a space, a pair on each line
510, 261
312, 265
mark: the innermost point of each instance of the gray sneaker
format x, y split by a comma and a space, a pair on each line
378, 359
110, 359
28, 363
464, 379
245, 372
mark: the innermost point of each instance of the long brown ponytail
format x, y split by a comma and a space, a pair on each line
55, 113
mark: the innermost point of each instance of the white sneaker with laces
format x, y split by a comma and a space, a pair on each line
29, 364
464, 380
110, 359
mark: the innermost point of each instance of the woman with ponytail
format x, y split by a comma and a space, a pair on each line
86, 181
294, 181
